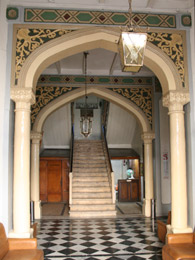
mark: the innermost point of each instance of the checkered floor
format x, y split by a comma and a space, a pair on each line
95, 239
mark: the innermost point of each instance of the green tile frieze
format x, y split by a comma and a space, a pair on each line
99, 80
32, 15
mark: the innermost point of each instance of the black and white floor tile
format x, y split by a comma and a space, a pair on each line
99, 239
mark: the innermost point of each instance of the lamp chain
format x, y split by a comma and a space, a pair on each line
130, 15
85, 67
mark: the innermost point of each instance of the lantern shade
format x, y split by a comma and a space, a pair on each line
131, 48
86, 126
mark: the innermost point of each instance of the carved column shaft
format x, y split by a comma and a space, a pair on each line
174, 102
148, 172
21, 195
35, 188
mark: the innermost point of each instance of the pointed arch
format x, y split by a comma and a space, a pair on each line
92, 38
98, 91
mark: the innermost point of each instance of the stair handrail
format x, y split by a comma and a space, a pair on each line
106, 146
111, 173
71, 147
71, 163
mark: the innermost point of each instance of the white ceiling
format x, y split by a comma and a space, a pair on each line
169, 6
99, 62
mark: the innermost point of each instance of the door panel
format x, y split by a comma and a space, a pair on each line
54, 181
43, 180
65, 180
134, 191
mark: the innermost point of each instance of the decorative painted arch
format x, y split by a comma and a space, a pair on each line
100, 92
90, 38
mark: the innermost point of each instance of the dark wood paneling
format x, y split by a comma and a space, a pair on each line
43, 180
128, 190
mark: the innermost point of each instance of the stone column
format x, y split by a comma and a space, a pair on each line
35, 189
21, 187
148, 172
175, 102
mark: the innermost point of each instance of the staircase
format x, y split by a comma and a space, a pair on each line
91, 181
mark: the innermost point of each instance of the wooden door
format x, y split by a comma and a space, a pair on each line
54, 181
43, 180
65, 180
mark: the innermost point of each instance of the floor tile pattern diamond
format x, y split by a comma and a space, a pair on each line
99, 239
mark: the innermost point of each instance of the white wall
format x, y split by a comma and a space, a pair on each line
5, 134
57, 129
190, 124
121, 127
162, 183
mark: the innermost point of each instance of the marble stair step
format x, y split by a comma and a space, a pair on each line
88, 207
86, 184
90, 189
89, 174
91, 195
89, 161
89, 165
90, 179
92, 201
94, 170
93, 214
88, 157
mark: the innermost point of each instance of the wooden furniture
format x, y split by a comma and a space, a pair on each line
180, 246
162, 228
54, 179
18, 248
128, 190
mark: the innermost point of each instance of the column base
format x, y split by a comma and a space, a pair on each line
13, 234
171, 230
37, 209
146, 210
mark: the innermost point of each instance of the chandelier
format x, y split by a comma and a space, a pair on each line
132, 46
86, 122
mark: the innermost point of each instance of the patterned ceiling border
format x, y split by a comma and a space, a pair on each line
142, 97
29, 39
45, 95
32, 15
99, 80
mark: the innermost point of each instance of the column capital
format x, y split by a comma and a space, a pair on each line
25, 95
147, 137
35, 137
176, 100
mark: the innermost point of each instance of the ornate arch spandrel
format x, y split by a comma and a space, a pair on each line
29, 39
102, 93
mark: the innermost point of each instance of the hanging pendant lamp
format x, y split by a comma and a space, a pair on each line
132, 46
86, 122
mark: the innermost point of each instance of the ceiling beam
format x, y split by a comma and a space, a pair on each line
113, 63
58, 67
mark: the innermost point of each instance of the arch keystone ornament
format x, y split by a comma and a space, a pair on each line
179, 219
147, 137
